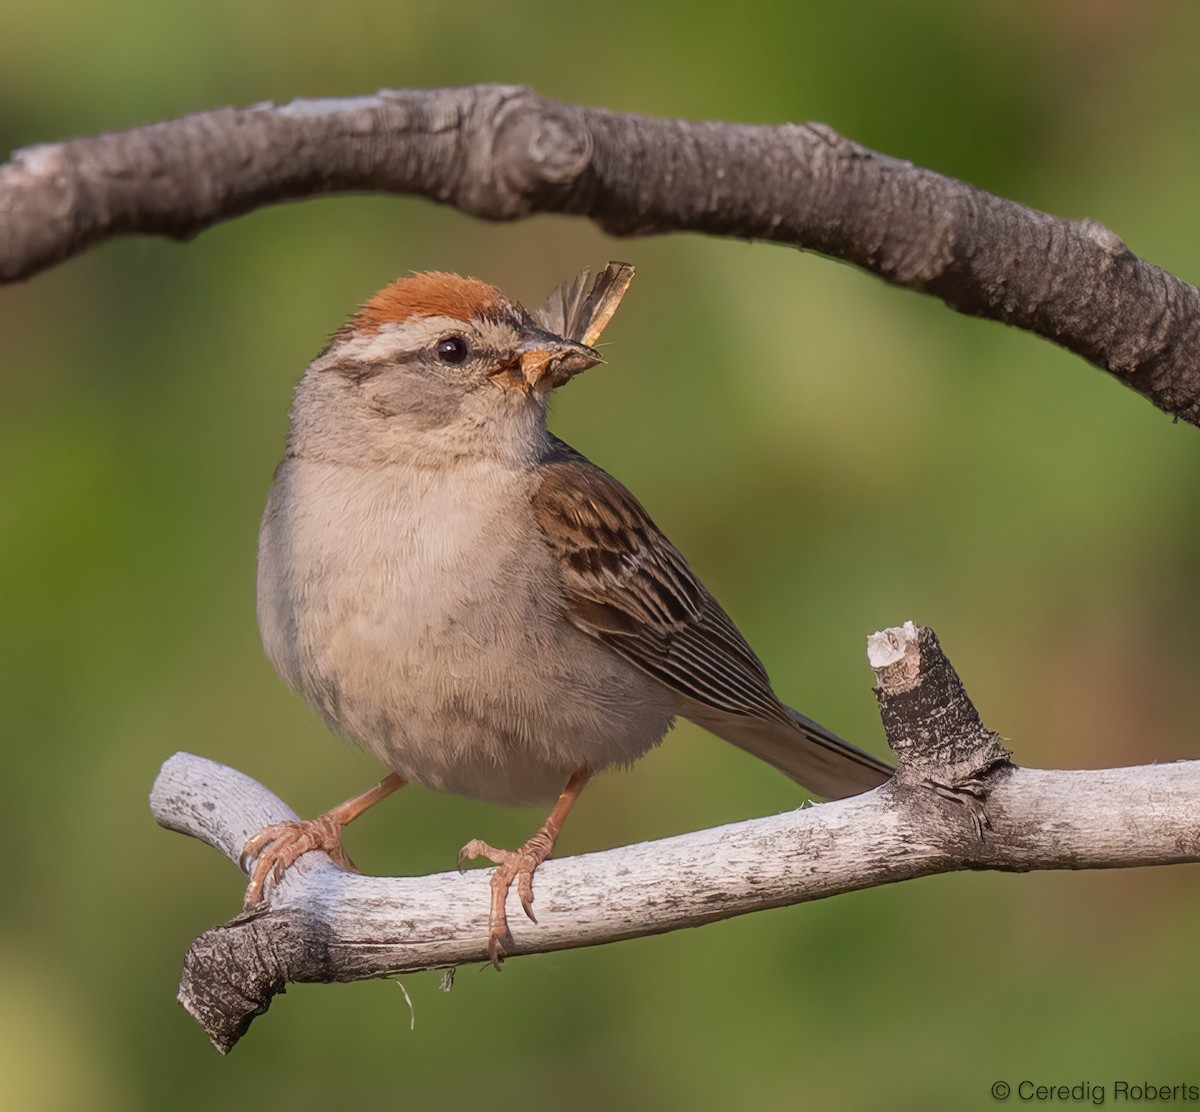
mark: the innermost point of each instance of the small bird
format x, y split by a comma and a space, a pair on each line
484, 609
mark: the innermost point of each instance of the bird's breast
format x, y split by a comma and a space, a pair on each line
387, 561
420, 614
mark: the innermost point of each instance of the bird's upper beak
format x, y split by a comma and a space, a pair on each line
549, 361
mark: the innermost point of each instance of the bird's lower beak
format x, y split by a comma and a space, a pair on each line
549, 361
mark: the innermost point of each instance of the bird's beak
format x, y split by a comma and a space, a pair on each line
549, 361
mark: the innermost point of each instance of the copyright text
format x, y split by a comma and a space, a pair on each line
1097, 1093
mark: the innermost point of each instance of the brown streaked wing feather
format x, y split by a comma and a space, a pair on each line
630, 588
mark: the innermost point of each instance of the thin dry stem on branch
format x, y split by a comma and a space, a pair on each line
955, 803
503, 152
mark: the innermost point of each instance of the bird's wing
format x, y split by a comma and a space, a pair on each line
630, 588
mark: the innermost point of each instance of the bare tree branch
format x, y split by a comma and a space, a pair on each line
956, 803
503, 152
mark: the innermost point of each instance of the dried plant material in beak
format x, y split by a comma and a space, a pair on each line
607, 292
579, 313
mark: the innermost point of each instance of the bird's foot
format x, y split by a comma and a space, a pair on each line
277, 846
511, 864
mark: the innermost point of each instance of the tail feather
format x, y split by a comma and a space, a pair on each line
854, 769
801, 749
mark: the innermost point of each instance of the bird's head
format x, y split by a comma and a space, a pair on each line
433, 362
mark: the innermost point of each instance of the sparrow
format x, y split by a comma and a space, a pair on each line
484, 609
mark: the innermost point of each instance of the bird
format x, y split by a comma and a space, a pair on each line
452, 587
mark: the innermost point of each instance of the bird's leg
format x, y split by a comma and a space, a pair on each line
520, 865
276, 846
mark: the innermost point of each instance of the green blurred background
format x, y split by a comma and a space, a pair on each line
835, 456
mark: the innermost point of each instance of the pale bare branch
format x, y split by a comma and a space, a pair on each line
956, 803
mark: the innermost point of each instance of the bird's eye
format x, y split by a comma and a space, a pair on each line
453, 349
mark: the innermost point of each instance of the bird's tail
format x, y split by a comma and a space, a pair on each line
800, 748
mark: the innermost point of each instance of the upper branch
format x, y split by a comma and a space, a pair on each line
502, 152
956, 803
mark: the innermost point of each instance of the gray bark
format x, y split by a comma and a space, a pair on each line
956, 802
503, 152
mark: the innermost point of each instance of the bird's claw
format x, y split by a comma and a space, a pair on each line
277, 846
519, 865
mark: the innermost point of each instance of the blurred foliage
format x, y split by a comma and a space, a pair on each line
835, 456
